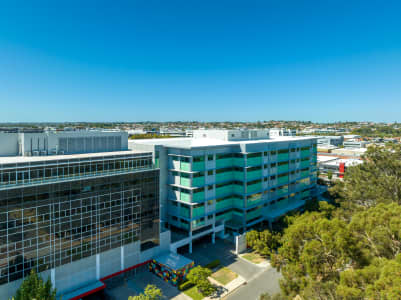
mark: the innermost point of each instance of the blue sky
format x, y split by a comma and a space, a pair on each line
200, 60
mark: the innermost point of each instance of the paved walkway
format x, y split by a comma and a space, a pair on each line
265, 282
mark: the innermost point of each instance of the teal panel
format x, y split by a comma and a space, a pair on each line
282, 156
224, 162
184, 212
282, 168
198, 181
304, 164
224, 204
253, 175
254, 188
253, 214
239, 176
305, 153
198, 197
185, 197
198, 166
239, 189
225, 190
226, 176
185, 181
304, 173
254, 161
185, 166
198, 212
282, 180
239, 162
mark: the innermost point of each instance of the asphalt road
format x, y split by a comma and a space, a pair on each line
265, 282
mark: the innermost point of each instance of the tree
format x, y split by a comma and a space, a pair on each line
263, 242
198, 276
151, 292
33, 287
377, 180
329, 175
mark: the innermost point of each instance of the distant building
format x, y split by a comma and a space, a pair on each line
277, 132
337, 166
330, 140
351, 144
61, 142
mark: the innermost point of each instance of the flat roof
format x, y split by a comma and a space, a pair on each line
172, 260
189, 143
28, 159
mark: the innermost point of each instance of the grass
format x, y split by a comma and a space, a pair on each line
193, 293
224, 275
253, 257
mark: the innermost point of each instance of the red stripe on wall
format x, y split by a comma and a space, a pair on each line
89, 292
125, 270
108, 277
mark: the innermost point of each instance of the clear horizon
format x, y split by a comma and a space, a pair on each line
204, 61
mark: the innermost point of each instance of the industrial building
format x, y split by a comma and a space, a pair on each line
223, 182
335, 165
51, 142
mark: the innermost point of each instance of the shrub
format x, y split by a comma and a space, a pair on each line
185, 285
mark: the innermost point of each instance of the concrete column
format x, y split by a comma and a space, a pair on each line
213, 237
98, 266
122, 258
190, 247
270, 225
53, 277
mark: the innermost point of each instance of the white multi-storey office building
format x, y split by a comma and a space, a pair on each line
226, 181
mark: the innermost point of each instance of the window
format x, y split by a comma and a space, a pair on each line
209, 217
210, 172
210, 187
210, 157
210, 202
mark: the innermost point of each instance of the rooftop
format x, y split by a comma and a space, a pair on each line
172, 260
189, 143
29, 159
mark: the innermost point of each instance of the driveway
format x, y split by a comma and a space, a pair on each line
265, 282
224, 251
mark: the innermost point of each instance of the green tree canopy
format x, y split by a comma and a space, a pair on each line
33, 287
198, 276
377, 180
151, 292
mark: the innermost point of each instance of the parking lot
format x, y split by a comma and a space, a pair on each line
134, 285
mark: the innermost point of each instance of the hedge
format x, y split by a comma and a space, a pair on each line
185, 285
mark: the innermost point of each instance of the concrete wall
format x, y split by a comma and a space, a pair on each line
8, 144
80, 273
44, 143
